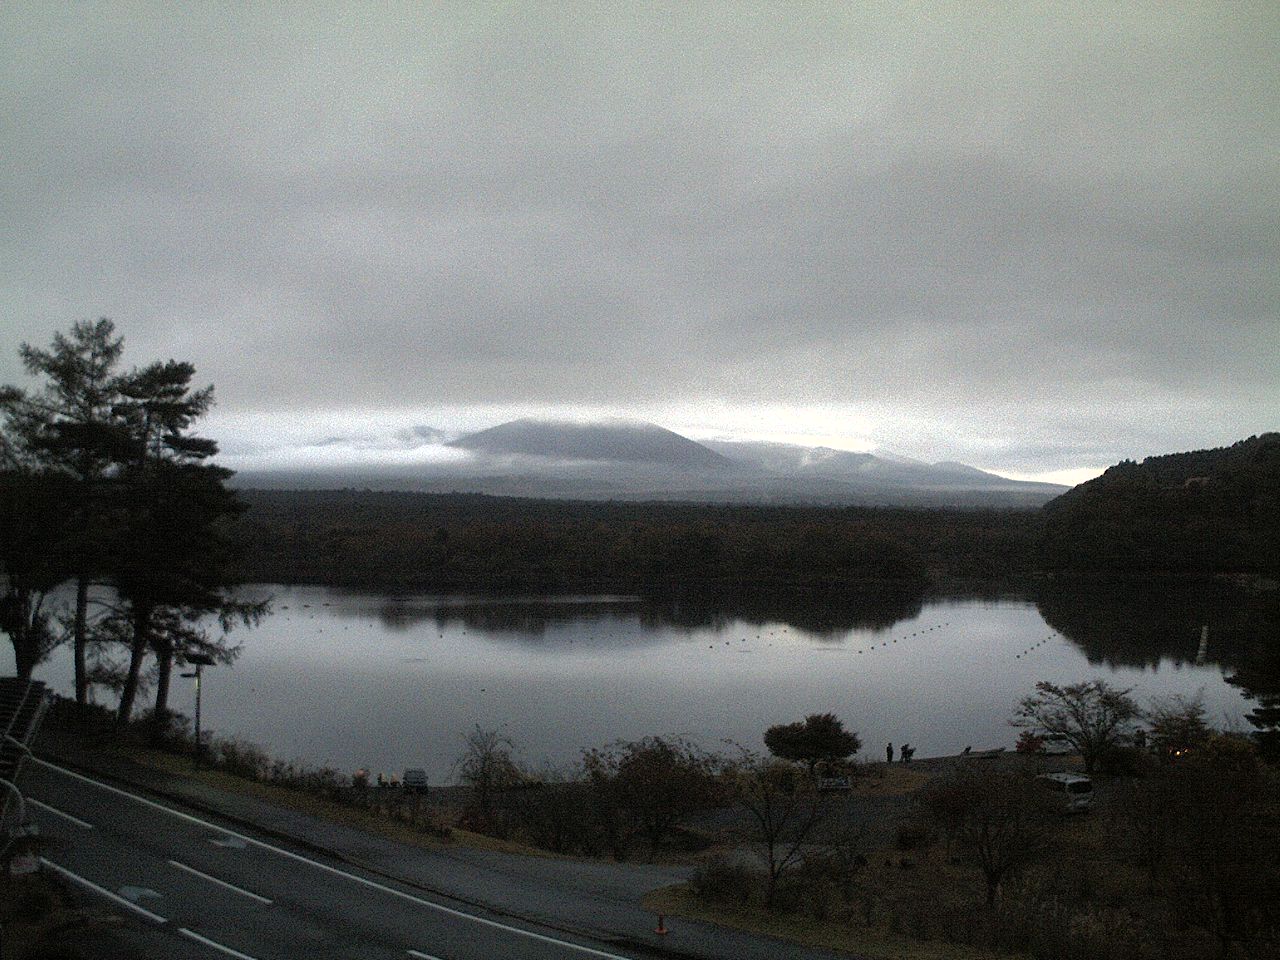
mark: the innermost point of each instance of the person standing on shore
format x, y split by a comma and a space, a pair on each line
888, 752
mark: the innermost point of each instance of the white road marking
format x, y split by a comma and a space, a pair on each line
422, 956
222, 883
61, 813
103, 891
215, 944
363, 881
136, 894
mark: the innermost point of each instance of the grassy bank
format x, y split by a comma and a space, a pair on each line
876, 942
429, 823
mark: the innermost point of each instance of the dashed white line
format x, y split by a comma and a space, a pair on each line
354, 878
61, 813
422, 956
222, 883
103, 891
142, 911
215, 944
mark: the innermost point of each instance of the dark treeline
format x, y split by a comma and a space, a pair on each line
1192, 515
1203, 513
104, 483
461, 542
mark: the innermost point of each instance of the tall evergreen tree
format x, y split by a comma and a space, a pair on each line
101, 478
71, 426
174, 559
33, 559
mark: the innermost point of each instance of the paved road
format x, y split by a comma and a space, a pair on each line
235, 895
199, 888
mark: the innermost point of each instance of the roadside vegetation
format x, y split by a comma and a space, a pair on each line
1179, 857
40, 921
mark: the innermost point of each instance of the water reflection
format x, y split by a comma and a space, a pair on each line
528, 617
386, 682
821, 616
1191, 625
532, 619
1144, 625
1259, 681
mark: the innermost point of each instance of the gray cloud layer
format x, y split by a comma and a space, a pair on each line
1030, 240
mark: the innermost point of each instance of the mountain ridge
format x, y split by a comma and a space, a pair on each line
636, 461
622, 441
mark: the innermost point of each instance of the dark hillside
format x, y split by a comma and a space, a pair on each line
1203, 513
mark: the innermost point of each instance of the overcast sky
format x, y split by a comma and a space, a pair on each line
1035, 240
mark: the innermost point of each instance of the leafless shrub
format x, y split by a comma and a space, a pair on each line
550, 815
642, 789
726, 881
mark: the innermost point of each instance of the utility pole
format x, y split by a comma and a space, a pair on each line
200, 661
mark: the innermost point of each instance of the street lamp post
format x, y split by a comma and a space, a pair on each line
200, 661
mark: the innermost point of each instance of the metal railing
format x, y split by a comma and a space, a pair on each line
15, 741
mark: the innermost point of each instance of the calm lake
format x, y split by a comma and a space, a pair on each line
359, 679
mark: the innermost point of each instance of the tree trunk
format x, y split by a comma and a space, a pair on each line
137, 653
78, 631
15, 618
164, 666
23, 660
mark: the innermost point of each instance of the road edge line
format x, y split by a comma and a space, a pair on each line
364, 881
104, 892
621, 941
215, 944
60, 813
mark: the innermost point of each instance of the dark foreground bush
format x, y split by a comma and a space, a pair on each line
551, 817
725, 881
913, 835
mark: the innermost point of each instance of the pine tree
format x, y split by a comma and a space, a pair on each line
174, 558
71, 427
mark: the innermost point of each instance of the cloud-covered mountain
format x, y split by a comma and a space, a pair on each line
868, 470
630, 460
614, 441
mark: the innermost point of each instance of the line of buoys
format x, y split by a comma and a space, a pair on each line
1034, 646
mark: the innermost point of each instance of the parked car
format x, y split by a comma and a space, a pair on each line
1074, 789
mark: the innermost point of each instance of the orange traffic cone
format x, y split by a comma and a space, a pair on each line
662, 927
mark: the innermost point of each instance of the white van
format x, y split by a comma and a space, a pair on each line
1075, 789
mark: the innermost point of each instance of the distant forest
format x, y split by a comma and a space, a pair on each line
475, 542
1200, 514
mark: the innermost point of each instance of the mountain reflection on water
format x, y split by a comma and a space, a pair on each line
385, 681
532, 619
1146, 625
1140, 626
